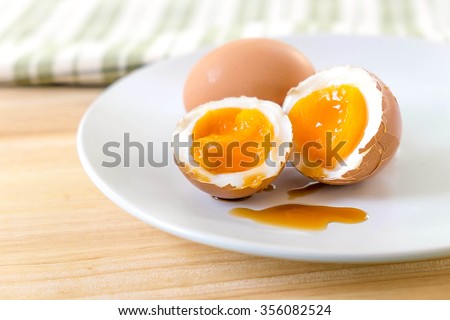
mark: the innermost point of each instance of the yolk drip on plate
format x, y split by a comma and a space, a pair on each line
231, 140
333, 118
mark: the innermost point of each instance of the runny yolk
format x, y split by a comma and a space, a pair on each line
328, 125
231, 140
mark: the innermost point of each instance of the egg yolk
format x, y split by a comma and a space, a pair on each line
328, 125
231, 140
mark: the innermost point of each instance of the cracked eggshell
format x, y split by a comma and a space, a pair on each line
233, 185
227, 192
383, 133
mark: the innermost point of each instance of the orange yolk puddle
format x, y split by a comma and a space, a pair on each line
330, 119
231, 140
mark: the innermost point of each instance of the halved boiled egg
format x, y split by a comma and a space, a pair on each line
346, 125
234, 147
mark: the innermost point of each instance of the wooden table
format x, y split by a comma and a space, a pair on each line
61, 238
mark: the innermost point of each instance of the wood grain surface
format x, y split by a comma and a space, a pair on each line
60, 238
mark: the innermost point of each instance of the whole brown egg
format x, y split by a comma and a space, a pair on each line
258, 67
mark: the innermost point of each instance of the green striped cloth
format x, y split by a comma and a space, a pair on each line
97, 41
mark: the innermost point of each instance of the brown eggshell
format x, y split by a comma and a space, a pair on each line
227, 192
261, 68
382, 146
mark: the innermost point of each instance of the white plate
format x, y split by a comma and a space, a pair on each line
408, 203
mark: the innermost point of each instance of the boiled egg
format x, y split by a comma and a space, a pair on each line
346, 124
235, 147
